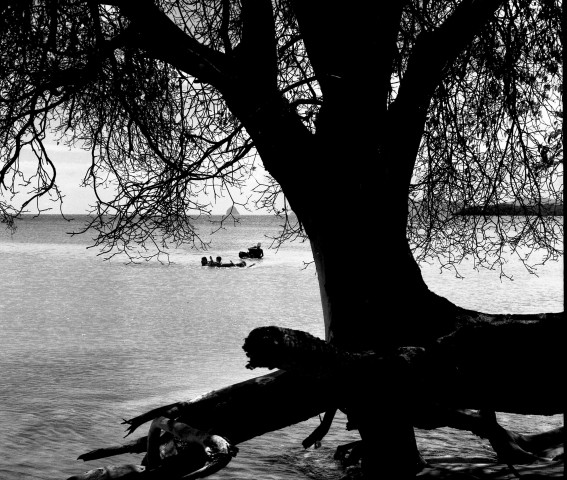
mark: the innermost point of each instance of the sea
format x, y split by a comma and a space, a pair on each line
86, 342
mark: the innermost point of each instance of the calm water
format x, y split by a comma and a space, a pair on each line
86, 342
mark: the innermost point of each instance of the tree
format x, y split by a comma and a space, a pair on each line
421, 107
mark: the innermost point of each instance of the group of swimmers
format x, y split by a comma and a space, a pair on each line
218, 263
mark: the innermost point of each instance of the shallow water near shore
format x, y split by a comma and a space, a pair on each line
85, 343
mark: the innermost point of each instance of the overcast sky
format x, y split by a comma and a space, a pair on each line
72, 165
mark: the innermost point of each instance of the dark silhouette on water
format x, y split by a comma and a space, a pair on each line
254, 251
218, 263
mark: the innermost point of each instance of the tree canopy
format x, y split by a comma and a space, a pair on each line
151, 88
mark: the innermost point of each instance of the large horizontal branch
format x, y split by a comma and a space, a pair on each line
160, 37
298, 351
483, 363
508, 363
475, 366
465, 369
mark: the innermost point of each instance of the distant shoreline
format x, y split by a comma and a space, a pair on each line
504, 209
86, 214
507, 209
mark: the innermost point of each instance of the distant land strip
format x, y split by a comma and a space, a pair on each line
512, 209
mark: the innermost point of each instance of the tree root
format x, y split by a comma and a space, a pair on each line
510, 447
515, 448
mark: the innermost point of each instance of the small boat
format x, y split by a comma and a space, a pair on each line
253, 252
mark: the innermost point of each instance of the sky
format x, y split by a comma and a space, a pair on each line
72, 165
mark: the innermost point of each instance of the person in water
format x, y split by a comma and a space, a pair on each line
208, 263
242, 263
256, 251
218, 263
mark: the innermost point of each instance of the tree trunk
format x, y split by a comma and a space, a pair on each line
382, 303
362, 292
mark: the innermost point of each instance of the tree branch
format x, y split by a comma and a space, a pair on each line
256, 59
164, 40
349, 46
479, 360
434, 51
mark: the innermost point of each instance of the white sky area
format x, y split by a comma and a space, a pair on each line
72, 166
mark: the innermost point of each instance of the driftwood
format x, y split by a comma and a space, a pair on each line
238, 412
174, 450
460, 380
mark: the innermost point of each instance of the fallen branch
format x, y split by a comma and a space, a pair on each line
322, 378
241, 411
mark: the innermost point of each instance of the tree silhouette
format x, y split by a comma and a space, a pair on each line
419, 109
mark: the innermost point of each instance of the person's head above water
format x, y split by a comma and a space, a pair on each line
204, 261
